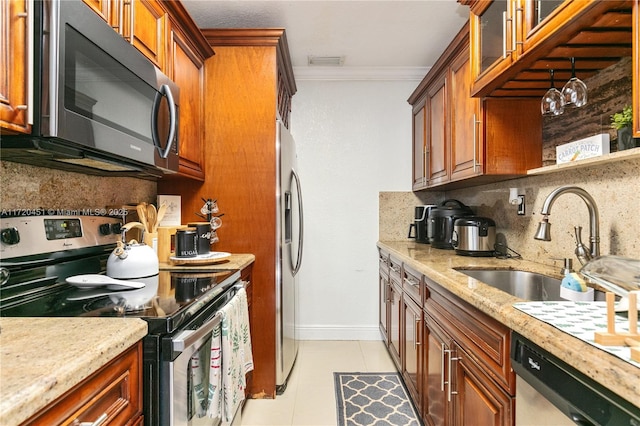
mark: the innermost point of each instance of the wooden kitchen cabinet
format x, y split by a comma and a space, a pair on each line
14, 67
420, 153
435, 375
475, 368
412, 348
114, 391
186, 69
248, 83
469, 141
383, 294
395, 312
636, 68
144, 25
515, 42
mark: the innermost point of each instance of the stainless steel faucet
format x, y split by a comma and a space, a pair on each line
544, 228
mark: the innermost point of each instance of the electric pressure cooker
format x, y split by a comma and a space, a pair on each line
441, 220
474, 236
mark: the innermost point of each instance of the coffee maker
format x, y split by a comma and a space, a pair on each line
419, 225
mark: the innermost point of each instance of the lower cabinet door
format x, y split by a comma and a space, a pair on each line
435, 405
395, 294
478, 400
412, 366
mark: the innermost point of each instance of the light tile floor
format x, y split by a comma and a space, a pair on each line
310, 395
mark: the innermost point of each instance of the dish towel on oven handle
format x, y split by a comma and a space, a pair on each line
237, 358
206, 397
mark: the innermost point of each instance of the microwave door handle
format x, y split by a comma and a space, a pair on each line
165, 90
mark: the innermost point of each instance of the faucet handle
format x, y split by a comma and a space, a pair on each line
582, 253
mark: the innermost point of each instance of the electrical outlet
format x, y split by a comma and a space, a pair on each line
521, 210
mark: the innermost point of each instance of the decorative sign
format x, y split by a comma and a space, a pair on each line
592, 146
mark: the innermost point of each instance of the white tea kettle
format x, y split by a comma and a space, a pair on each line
132, 260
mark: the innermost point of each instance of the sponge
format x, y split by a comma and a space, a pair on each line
574, 282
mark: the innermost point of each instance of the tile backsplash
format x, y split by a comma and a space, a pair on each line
28, 187
614, 186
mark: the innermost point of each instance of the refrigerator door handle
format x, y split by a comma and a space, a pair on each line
296, 179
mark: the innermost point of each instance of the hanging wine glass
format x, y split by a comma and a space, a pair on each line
552, 101
575, 91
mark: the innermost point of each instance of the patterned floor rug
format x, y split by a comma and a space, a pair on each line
373, 399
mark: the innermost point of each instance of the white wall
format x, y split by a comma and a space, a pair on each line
353, 140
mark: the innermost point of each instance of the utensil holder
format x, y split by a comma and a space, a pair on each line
151, 239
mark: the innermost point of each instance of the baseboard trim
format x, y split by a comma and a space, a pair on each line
332, 332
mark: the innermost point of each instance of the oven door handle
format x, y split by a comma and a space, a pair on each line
187, 338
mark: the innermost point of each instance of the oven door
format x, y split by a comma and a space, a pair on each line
189, 374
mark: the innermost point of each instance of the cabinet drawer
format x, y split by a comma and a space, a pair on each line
482, 337
395, 270
383, 262
412, 284
115, 391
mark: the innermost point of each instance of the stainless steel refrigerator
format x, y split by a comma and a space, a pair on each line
289, 256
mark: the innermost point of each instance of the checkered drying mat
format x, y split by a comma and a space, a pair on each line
581, 320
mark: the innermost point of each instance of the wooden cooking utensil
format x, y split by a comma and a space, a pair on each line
142, 216
152, 215
161, 212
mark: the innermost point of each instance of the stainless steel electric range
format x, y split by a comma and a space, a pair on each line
38, 253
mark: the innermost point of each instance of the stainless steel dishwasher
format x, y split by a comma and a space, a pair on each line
581, 399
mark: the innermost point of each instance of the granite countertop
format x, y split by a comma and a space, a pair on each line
235, 261
439, 265
42, 358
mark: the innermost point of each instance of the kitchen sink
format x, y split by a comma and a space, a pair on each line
523, 284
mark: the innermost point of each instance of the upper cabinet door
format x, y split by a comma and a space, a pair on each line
437, 146
493, 37
14, 66
187, 71
466, 137
419, 146
144, 25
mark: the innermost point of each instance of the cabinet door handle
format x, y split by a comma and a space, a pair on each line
506, 52
28, 16
475, 142
416, 343
451, 359
443, 354
100, 420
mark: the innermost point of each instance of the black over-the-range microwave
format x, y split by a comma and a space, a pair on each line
99, 106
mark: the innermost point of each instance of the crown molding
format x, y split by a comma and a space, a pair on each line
360, 73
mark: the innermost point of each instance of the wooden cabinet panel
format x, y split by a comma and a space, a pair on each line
144, 26
114, 391
486, 339
478, 399
383, 288
186, 70
14, 71
419, 146
438, 167
412, 349
395, 312
636, 68
535, 36
472, 141
435, 405
466, 143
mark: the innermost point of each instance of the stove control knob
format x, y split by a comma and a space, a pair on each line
116, 228
10, 236
105, 229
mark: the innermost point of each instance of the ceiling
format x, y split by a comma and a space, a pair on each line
378, 38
